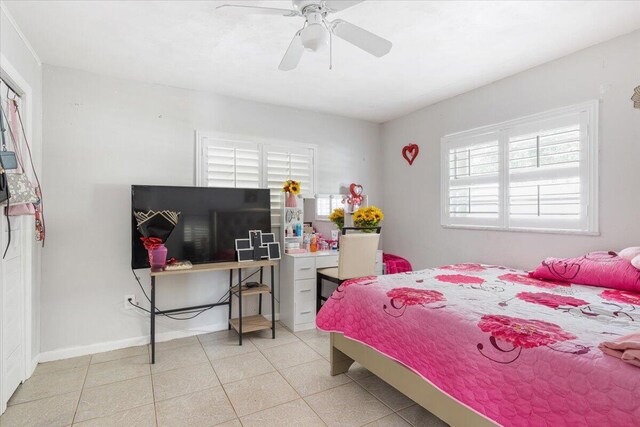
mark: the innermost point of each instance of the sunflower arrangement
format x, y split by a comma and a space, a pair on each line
292, 187
337, 217
367, 217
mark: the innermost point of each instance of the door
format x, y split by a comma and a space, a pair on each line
12, 281
13, 314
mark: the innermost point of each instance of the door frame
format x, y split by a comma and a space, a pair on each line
11, 75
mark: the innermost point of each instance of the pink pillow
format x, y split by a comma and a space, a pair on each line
605, 269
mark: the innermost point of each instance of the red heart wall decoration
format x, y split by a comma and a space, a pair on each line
410, 152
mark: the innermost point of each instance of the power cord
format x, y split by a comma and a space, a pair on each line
159, 312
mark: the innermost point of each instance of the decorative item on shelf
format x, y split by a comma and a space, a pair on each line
173, 265
337, 217
410, 152
258, 246
156, 227
355, 197
636, 97
368, 217
157, 252
292, 189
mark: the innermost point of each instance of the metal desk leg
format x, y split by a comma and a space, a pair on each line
240, 305
153, 319
260, 296
273, 305
230, 296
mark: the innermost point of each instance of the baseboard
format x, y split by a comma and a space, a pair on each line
65, 353
34, 364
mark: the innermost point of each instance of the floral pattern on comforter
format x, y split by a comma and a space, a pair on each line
519, 350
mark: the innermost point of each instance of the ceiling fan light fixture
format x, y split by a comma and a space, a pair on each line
314, 37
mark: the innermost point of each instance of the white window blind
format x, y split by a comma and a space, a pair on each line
536, 173
226, 163
545, 174
325, 204
283, 163
231, 164
473, 196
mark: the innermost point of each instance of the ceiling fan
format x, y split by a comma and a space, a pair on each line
317, 30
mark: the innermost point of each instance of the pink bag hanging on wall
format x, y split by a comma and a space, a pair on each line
24, 205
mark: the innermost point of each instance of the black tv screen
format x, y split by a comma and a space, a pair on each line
210, 220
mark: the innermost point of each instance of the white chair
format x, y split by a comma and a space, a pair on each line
357, 258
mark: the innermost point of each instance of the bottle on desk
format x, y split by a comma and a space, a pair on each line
313, 244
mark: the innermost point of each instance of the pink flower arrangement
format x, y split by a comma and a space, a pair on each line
411, 296
626, 297
460, 279
551, 300
464, 267
530, 281
523, 332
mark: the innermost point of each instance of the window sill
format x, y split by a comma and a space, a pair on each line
523, 230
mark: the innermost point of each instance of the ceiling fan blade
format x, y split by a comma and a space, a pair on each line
360, 37
293, 55
338, 5
260, 10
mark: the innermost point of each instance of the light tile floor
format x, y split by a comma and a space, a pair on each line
210, 381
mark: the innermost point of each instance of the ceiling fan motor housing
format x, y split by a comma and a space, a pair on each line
314, 35
300, 5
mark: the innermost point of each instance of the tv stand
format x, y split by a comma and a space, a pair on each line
239, 290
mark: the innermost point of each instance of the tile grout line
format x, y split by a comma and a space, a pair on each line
86, 374
291, 385
276, 370
220, 382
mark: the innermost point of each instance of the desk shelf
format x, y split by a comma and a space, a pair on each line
251, 323
246, 291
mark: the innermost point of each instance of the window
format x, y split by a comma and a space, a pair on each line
326, 203
222, 162
538, 173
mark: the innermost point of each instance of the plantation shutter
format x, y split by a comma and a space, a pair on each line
283, 163
548, 168
473, 190
231, 164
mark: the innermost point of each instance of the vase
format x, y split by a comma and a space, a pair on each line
158, 258
291, 201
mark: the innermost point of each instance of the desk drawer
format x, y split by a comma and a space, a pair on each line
327, 261
305, 312
305, 290
304, 268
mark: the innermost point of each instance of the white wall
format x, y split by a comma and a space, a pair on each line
105, 134
607, 72
19, 56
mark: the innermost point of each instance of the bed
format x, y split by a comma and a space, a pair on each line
481, 345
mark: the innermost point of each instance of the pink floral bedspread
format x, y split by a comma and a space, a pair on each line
521, 351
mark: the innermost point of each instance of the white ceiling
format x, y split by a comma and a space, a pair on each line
440, 48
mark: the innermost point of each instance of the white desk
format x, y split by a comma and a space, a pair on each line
298, 286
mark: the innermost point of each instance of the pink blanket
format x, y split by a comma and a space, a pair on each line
519, 350
395, 264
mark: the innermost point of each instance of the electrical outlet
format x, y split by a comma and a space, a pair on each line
127, 304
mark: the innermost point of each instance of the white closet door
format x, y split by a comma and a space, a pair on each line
13, 313
12, 292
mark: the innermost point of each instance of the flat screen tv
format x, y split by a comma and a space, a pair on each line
210, 220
